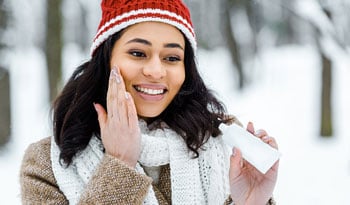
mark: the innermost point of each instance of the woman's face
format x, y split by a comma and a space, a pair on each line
150, 56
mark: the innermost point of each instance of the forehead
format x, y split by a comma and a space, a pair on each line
155, 31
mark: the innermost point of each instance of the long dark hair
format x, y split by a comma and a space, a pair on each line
195, 114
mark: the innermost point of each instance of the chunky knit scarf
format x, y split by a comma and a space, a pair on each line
202, 180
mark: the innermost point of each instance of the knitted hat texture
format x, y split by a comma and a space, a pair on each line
119, 14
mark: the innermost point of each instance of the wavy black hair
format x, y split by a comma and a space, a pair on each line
195, 114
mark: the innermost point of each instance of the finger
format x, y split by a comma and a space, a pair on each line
101, 114
270, 141
260, 133
275, 166
132, 113
112, 94
250, 127
235, 163
121, 105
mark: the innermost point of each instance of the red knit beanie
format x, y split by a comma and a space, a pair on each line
119, 14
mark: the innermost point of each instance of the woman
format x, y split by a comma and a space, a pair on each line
136, 124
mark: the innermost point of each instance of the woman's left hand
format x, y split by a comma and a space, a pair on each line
248, 185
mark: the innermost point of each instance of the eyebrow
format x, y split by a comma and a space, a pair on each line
139, 40
173, 45
146, 42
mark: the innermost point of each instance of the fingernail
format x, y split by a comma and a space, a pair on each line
127, 95
265, 138
234, 152
95, 106
258, 132
115, 75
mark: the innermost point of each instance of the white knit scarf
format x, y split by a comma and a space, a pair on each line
202, 180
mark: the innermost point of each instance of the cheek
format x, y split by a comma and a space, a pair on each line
179, 79
127, 81
179, 83
129, 74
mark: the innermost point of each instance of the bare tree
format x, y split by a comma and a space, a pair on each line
75, 24
289, 35
325, 30
5, 116
232, 43
326, 128
53, 45
255, 19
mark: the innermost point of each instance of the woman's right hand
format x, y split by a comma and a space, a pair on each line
120, 131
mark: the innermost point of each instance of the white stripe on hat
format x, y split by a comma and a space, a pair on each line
184, 26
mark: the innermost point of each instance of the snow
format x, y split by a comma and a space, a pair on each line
312, 11
283, 98
30, 117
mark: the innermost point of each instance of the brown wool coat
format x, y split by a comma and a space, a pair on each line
112, 183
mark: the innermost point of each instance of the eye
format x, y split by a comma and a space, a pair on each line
172, 58
138, 54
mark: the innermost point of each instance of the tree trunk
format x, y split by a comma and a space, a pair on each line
5, 116
233, 46
326, 101
3, 23
326, 96
5, 105
255, 19
81, 34
53, 47
289, 36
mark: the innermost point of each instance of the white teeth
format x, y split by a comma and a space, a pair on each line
150, 91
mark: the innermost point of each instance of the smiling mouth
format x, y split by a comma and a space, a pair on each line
150, 91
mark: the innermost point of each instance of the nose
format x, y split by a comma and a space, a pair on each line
154, 69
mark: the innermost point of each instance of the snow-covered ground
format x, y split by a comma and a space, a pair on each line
283, 98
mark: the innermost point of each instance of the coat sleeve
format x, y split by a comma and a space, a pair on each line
112, 183
38, 184
115, 183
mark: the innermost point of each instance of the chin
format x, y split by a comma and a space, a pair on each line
148, 114
145, 116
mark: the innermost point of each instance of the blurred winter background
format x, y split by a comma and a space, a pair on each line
283, 64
